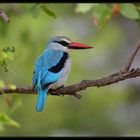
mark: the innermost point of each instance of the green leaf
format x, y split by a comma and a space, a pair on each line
83, 8
4, 64
7, 53
103, 13
47, 11
129, 11
9, 49
6, 120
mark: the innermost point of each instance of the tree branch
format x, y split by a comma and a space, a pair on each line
4, 16
123, 74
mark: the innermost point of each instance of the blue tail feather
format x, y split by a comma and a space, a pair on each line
42, 94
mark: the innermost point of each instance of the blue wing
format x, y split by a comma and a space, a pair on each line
50, 58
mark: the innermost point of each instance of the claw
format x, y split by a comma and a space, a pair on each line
60, 87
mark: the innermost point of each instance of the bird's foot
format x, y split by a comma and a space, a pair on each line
60, 87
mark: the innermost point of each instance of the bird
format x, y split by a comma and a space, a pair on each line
52, 67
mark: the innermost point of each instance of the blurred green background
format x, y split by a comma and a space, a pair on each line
109, 110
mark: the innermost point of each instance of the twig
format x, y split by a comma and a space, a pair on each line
73, 89
4, 16
131, 58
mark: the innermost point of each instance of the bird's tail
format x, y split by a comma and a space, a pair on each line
42, 94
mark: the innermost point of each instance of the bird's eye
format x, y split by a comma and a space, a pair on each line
64, 43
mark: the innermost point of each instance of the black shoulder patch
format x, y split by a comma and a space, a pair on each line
60, 65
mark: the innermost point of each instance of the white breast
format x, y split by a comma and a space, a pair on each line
64, 75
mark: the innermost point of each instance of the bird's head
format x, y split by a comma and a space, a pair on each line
65, 44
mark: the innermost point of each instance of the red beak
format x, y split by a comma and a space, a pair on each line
77, 45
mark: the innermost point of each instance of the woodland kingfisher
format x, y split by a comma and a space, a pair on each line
52, 67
